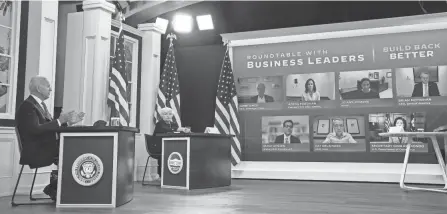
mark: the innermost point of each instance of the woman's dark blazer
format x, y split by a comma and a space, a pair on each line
161, 128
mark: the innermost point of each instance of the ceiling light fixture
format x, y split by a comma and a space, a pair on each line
205, 22
162, 24
182, 23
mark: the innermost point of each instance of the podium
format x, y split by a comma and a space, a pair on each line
195, 160
96, 166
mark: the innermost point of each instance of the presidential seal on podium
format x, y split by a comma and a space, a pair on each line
87, 169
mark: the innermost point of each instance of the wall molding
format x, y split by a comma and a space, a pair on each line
8, 178
24, 190
42, 179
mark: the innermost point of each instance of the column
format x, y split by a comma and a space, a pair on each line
42, 42
64, 9
150, 78
87, 60
150, 74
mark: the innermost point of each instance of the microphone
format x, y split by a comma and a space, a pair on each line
100, 123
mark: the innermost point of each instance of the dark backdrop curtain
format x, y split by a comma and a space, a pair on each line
198, 69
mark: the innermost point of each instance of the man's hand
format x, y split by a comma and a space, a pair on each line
187, 130
76, 118
65, 117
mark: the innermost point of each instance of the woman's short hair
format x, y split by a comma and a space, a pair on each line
165, 111
403, 121
307, 82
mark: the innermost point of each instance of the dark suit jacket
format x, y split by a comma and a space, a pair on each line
37, 134
293, 139
432, 90
268, 99
161, 128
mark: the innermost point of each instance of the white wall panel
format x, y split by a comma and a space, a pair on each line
9, 167
7, 160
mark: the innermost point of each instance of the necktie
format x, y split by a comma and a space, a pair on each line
425, 90
287, 140
47, 113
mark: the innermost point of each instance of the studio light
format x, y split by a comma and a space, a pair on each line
162, 24
182, 23
205, 22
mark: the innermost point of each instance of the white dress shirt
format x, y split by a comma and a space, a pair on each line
425, 90
286, 139
261, 100
40, 103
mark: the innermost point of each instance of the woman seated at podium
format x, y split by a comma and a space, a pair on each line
166, 125
400, 125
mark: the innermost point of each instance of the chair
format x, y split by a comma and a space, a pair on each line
153, 150
14, 204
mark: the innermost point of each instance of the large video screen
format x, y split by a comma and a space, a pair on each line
329, 100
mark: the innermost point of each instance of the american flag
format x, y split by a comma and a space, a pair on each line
226, 114
169, 89
117, 97
387, 122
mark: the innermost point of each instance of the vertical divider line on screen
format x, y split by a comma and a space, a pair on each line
311, 132
284, 88
367, 132
337, 88
393, 80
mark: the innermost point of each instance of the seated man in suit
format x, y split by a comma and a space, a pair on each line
425, 88
287, 137
261, 97
339, 135
37, 130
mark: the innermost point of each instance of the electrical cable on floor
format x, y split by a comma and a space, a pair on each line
421, 5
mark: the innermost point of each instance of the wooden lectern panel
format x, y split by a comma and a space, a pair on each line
100, 193
196, 161
175, 169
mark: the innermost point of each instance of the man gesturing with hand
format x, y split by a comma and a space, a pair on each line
37, 130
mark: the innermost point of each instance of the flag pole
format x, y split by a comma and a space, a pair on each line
227, 105
113, 112
122, 18
120, 74
168, 87
225, 43
171, 38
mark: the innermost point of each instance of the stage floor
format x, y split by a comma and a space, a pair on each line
263, 197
